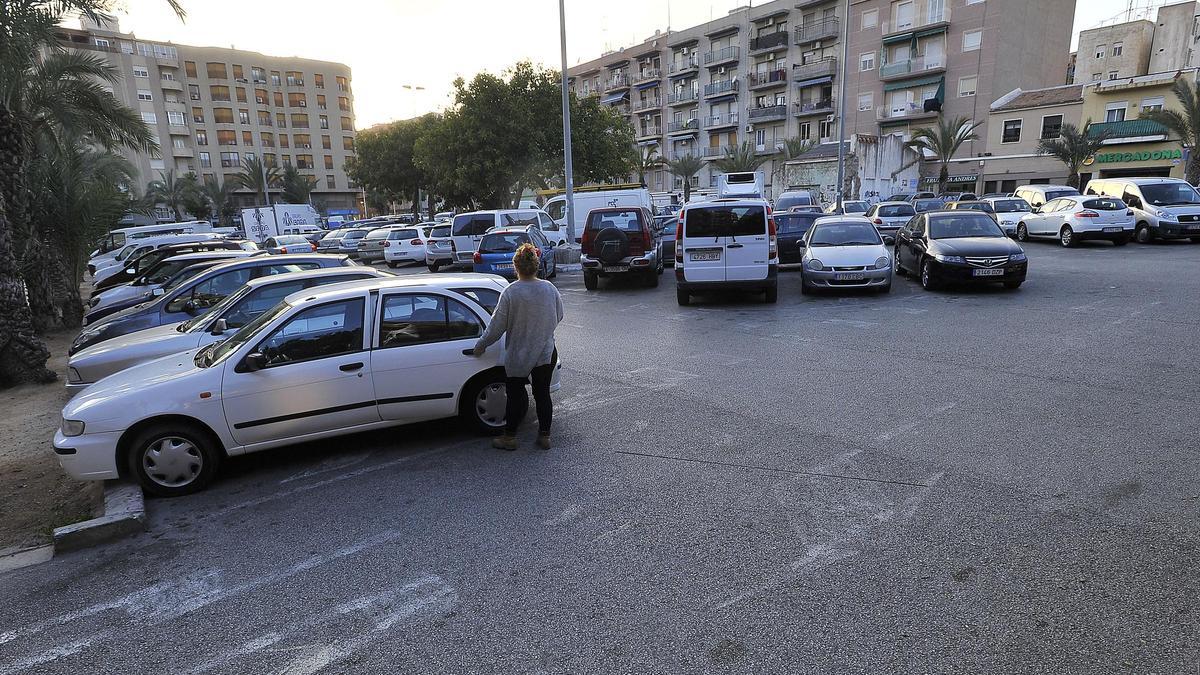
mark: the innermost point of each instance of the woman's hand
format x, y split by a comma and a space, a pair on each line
479, 350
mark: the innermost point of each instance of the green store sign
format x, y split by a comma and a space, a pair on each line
1157, 155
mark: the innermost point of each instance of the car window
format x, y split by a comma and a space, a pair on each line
1105, 204
786, 202
519, 219
1055, 194
355, 234
441, 231
557, 209
794, 223
502, 242
381, 233
844, 234
413, 319
270, 242
487, 298
725, 221
396, 235
467, 225
546, 223
316, 333
896, 211
963, 224
332, 236
1011, 206
271, 270
258, 301
627, 220
210, 291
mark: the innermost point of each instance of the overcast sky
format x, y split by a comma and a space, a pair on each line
427, 43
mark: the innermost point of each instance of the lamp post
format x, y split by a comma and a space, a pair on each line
841, 110
568, 170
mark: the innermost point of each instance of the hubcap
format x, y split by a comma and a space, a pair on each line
925, 275
1066, 237
172, 461
490, 403
1021, 233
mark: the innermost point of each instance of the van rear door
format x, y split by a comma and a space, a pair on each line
747, 245
704, 243
466, 231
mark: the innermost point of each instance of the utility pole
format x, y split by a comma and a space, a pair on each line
841, 109
262, 167
566, 115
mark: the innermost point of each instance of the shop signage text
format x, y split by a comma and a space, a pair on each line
1155, 156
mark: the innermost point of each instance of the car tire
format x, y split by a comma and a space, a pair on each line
590, 280
1195, 240
434, 267
900, 271
1012, 285
1022, 232
1142, 234
553, 269
173, 459
484, 401
886, 289
683, 298
1066, 237
928, 282
393, 265
771, 295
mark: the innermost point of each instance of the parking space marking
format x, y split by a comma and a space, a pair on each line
52, 654
331, 464
795, 472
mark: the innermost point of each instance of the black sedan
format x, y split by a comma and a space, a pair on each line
790, 228
961, 247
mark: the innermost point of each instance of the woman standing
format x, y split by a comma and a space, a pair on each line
528, 312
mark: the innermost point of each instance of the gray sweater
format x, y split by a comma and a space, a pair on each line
528, 313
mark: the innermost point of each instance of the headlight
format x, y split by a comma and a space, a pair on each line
815, 265
955, 259
882, 262
73, 376
1017, 257
72, 427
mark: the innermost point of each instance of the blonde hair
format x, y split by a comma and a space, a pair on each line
525, 260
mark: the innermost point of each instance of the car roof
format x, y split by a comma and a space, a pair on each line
213, 255
352, 289
969, 201
1056, 187
275, 260
512, 229
894, 203
996, 199
839, 218
1143, 181
728, 201
318, 273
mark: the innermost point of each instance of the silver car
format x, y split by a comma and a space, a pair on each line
845, 252
891, 216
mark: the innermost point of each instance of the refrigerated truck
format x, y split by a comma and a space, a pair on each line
262, 222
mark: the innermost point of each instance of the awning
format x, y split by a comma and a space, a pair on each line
646, 85
918, 82
815, 80
929, 31
652, 141
899, 37
613, 98
722, 99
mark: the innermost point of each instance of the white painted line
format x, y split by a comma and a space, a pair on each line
52, 654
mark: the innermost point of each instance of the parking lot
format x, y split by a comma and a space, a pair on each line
967, 481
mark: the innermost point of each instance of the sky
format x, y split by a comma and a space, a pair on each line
394, 47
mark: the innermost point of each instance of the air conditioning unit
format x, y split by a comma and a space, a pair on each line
817, 45
721, 70
749, 128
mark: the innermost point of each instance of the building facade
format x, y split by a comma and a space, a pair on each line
1017, 122
1139, 47
1132, 146
772, 72
211, 108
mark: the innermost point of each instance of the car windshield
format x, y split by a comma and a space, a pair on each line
923, 205
125, 252
166, 271
336, 234
855, 207
502, 242
786, 202
378, 234
355, 234
974, 206
290, 239
794, 223
1170, 194
896, 211
1105, 204
1011, 206
398, 234
963, 224
441, 231
220, 350
629, 220
1055, 194
844, 234
725, 221
469, 225
557, 209
202, 321
184, 274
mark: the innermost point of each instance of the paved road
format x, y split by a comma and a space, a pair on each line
968, 481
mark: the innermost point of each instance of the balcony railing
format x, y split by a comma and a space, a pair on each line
825, 29
649, 131
769, 148
728, 119
915, 66
678, 126
771, 112
769, 78
818, 107
646, 104
619, 81
648, 75
927, 13
914, 110
769, 41
721, 87
622, 109
826, 67
731, 53
678, 97
684, 65
718, 151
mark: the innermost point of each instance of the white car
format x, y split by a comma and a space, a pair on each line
405, 245
1008, 212
845, 252
1078, 218
890, 216
726, 244
164, 273
439, 248
92, 364
324, 362
1163, 208
141, 247
288, 243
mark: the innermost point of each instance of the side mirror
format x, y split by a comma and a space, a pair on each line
802, 244
189, 307
254, 361
889, 240
219, 327
918, 236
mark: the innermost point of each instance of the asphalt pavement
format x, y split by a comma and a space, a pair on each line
980, 481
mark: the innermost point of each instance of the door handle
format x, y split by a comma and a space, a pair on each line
469, 352
350, 367
728, 246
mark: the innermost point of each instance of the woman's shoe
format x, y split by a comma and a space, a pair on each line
505, 442
543, 440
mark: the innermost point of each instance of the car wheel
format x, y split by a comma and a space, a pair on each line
886, 289
434, 267
174, 459
683, 297
393, 265
1022, 232
1067, 237
1195, 240
900, 271
485, 401
590, 280
928, 282
652, 279
553, 269
772, 295
1142, 234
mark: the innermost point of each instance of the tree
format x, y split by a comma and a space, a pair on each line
647, 160
942, 142
172, 192
1184, 123
740, 158
296, 187
1072, 147
257, 178
384, 159
219, 196
685, 167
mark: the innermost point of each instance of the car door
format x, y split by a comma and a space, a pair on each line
317, 377
1043, 222
417, 358
703, 245
916, 244
198, 297
747, 245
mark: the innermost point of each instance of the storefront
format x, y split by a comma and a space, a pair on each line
1164, 159
956, 183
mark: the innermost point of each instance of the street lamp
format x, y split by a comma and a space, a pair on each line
566, 114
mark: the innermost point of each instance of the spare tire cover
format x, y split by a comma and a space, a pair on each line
611, 245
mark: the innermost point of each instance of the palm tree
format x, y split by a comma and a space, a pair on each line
172, 192
1072, 147
256, 177
219, 196
741, 158
1183, 123
647, 161
942, 142
296, 186
685, 167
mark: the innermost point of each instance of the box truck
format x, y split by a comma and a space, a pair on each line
589, 198
262, 222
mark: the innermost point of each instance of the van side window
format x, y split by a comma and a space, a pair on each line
1131, 199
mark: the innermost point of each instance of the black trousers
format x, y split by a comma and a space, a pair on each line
518, 402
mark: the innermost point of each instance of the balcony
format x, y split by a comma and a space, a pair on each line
294, 82
921, 65
716, 152
768, 148
805, 4
684, 65
730, 119
900, 114
683, 127
682, 97
815, 70
769, 41
768, 79
768, 113
721, 87
183, 152
646, 104
649, 132
170, 85
622, 109
806, 108
720, 56
928, 14
618, 81
826, 29
1127, 131
648, 75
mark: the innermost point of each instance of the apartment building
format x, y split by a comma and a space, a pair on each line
210, 108
1017, 122
771, 72
1141, 46
1133, 146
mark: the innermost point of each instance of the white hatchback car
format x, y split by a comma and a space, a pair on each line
351, 357
845, 252
1077, 218
404, 245
890, 216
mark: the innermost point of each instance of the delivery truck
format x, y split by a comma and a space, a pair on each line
262, 222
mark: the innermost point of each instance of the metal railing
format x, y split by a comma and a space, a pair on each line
913, 66
721, 120
688, 125
768, 112
718, 151
730, 53
618, 81
685, 96
690, 63
769, 41
646, 104
721, 87
647, 75
813, 107
910, 110
824, 29
826, 67
768, 78
926, 13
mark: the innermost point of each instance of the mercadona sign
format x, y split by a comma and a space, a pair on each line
1155, 156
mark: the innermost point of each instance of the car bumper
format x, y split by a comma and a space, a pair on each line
626, 265
89, 456
369, 256
965, 274
509, 273
1177, 230
1099, 233
829, 278
771, 281
405, 256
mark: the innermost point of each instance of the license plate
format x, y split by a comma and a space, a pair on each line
1112, 229
702, 256
849, 276
988, 273
502, 266
1194, 227
614, 268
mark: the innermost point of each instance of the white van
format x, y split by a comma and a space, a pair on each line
1163, 208
742, 185
587, 200
726, 244
139, 247
468, 228
110, 244
1038, 195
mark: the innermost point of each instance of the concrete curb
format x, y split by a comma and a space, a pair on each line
124, 515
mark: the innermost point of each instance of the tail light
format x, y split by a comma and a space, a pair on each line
679, 242
1088, 214
453, 248
773, 252
416, 242
478, 258
585, 244
878, 221
314, 246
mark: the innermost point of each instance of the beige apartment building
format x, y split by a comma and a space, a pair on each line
771, 72
1141, 46
211, 108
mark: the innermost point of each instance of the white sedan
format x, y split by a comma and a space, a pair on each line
1078, 218
345, 358
90, 365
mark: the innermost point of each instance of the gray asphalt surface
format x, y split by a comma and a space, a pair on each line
972, 481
